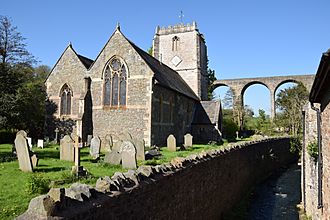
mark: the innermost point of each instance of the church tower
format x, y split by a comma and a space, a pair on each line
183, 48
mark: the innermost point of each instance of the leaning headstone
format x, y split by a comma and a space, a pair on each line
22, 132
94, 149
89, 139
23, 155
128, 155
171, 143
188, 139
29, 140
139, 145
66, 148
40, 143
113, 157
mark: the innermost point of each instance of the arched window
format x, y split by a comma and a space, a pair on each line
175, 43
115, 82
66, 94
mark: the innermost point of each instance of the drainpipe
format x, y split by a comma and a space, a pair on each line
319, 159
303, 161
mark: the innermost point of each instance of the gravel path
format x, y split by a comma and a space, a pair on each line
277, 197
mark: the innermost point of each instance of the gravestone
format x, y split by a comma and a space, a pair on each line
56, 135
188, 139
113, 157
40, 143
128, 155
94, 149
139, 145
171, 143
22, 132
23, 153
29, 140
125, 136
77, 169
66, 148
34, 160
89, 139
116, 146
108, 143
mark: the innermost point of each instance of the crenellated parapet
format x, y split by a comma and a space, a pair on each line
178, 28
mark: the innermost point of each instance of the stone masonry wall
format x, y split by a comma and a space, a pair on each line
202, 186
325, 130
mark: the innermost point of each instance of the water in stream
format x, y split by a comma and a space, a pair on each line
277, 197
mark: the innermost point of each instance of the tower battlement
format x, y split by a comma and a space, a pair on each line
178, 28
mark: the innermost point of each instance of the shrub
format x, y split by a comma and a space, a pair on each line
295, 145
37, 184
313, 150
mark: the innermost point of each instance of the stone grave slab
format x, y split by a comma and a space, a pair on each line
94, 149
22, 132
108, 143
128, 155
40, 143
139, 145
34, 160
67, 148
125, 136
89, 139
171, 143
29, 140
23, 154
188, 140
112, 157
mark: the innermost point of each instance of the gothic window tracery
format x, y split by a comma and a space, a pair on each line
66, 94
115, 82
175, 43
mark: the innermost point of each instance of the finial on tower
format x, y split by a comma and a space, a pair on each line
181, 16
118, 26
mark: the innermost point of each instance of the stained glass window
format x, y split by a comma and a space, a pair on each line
65, 100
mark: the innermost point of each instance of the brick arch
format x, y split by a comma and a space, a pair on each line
246, 86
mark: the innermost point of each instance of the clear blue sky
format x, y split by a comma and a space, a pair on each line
245, 38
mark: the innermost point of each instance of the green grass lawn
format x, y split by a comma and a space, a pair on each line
15, 193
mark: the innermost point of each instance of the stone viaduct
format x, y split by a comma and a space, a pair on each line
239, 86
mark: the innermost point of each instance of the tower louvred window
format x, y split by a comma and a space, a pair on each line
115, 83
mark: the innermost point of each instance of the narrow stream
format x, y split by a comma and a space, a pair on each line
277, 197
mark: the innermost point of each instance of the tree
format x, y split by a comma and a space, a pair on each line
210, 79
290, 102
12, 46
149, 51
228, 99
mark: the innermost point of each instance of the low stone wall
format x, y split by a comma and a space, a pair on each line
201, 186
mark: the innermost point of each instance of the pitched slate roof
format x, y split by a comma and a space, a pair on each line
208, 112
164, 75
86, 61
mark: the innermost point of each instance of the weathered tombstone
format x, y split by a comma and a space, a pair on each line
29, 140
66, 148
108, 143
34, 160
22, 132
128, 155
139, 145
23, 154
125, 136
237, 135
113, 157
188, 139
77, 169
56, 135
40, 143
171, 143
89, 139
94, 149
116, 146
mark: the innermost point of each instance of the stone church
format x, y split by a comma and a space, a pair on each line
127, 90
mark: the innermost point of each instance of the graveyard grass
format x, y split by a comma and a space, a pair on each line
15, 193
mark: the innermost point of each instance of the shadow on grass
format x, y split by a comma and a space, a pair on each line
46, 169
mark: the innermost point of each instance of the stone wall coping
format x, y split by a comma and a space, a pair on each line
121, 183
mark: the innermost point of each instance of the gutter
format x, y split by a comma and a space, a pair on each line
304, 161
319, 159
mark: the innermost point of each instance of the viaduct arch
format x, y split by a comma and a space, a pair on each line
272, 83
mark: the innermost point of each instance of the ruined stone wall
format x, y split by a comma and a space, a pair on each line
202, 186
172, 113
